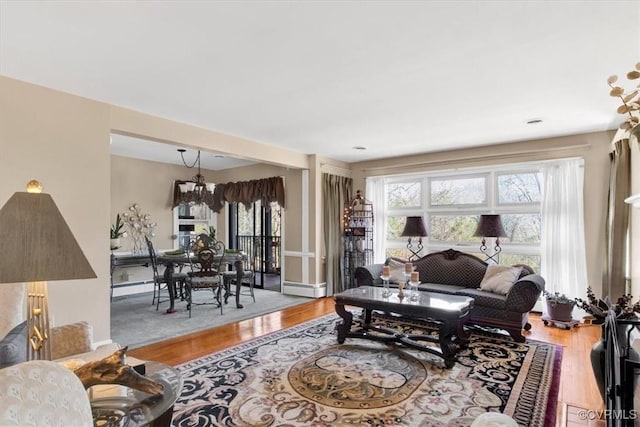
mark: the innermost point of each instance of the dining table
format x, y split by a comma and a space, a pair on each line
232, 258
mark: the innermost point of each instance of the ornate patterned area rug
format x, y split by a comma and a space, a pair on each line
302, 377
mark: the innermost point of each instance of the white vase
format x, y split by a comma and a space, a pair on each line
115, 243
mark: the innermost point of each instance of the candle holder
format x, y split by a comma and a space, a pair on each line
414, 293
385, 286
400, 290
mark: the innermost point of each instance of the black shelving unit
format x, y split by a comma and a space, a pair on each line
358, 237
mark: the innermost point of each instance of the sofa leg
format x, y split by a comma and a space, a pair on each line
527, 326
517, 335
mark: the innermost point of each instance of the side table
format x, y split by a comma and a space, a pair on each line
119, 406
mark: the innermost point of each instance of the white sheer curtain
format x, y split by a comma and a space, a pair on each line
563, 263
374, 191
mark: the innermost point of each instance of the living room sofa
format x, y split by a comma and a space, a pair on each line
453, 272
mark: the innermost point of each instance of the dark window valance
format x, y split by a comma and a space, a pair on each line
266, 190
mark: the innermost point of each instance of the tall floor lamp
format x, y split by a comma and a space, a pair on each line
37, 246
490, 226
414, 227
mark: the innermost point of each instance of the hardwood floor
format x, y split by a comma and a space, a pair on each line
578, 388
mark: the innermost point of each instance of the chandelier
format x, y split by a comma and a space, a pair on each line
196, 191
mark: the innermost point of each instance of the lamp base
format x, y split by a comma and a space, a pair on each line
414, 254
493, 257
38, 344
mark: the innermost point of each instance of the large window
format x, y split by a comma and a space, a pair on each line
452, 202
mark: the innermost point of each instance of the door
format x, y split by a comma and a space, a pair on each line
256, 231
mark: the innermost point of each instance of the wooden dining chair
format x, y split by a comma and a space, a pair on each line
206, 275
248, 272
159, 280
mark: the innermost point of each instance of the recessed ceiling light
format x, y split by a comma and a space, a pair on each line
359, 147
534, 121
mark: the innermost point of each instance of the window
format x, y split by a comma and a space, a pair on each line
455, 190
452, 202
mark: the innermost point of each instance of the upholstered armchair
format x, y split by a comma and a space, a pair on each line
42, 392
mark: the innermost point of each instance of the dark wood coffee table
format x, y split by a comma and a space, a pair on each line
448, 313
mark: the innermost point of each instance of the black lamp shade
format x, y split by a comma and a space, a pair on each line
490, 226
414, 227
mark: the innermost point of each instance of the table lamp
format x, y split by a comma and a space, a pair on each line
37, 246
414, 227
490, 226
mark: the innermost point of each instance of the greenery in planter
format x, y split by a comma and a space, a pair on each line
558, 298
117, 229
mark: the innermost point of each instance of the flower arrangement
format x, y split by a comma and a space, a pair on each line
630, 101
624, 307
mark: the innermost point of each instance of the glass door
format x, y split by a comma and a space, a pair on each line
256, 231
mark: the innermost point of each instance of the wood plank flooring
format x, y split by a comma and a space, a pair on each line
577, 385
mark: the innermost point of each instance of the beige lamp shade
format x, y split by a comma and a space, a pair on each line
36, 243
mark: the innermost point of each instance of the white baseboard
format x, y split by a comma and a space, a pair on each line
313, 290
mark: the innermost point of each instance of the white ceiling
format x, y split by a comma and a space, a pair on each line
398, 77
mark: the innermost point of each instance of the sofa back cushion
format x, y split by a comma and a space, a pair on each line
451, 267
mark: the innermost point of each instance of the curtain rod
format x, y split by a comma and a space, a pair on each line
329, 168
501, 156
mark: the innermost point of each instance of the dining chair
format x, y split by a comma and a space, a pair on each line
206, 274
159, 280
248, 272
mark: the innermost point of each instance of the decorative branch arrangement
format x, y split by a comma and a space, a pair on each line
139, 226
630, 101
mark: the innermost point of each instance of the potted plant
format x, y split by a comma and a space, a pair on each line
117, 231
559, 306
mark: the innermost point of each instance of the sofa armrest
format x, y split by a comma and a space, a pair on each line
368, 275
71, 339
524, 293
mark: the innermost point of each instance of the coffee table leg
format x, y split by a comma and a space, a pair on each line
343, 327
447, 346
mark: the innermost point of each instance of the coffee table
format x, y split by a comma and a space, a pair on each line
448, 313
114, 405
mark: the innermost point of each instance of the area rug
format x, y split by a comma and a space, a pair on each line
301, 377
136, 322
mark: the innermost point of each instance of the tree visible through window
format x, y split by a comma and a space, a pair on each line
454, 203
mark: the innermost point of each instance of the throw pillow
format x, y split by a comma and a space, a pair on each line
13, 347
396, 271
499, 278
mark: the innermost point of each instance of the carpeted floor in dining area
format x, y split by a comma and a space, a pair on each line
136, 322
301, 377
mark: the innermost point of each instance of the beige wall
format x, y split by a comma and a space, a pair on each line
150, 185
63, 141
593, 147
